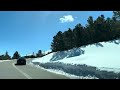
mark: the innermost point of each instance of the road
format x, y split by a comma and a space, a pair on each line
10, 71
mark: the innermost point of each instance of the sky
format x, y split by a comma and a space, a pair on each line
30, 31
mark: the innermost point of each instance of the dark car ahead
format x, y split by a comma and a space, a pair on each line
21, 61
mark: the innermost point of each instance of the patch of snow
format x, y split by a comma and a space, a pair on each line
105, 54
116, 70
70, 75
63, 73
4, 60
44, 59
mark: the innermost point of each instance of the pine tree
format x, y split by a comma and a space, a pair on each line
90, 30
57, 43
16, 55
116, 24
68, 39
116, 14
78, 35
98, 30
90, 23
39, 54
1, 57
6, 56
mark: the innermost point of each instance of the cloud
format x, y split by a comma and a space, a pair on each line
66, 18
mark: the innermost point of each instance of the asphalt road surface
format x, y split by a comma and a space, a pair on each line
10, 71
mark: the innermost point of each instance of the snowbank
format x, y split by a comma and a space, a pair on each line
71, 76
4, 60
104, 55
44, 59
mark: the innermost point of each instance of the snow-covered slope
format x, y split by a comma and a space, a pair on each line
44, 59
105, 55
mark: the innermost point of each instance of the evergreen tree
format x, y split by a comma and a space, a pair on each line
16, 55
98, 30
32, 56
57, 43
99, 25
116, 24
6, 56
87, 37
90, 23
68, 39
1, 57
78, 33
116, 14
39, 54
90, 30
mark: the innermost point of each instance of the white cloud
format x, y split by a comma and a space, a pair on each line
66, 18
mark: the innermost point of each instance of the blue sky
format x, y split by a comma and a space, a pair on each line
30, 31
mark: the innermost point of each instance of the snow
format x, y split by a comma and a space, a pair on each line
105, 56
4, 60
44, 59
63, 73
116, 70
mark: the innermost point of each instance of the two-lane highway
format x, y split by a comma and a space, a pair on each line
10, 71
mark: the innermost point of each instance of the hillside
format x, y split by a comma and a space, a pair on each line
103, 55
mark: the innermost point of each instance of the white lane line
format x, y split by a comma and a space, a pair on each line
26, 75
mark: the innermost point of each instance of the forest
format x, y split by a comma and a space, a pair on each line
99, 30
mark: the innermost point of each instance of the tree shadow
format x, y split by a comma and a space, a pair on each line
99, 44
